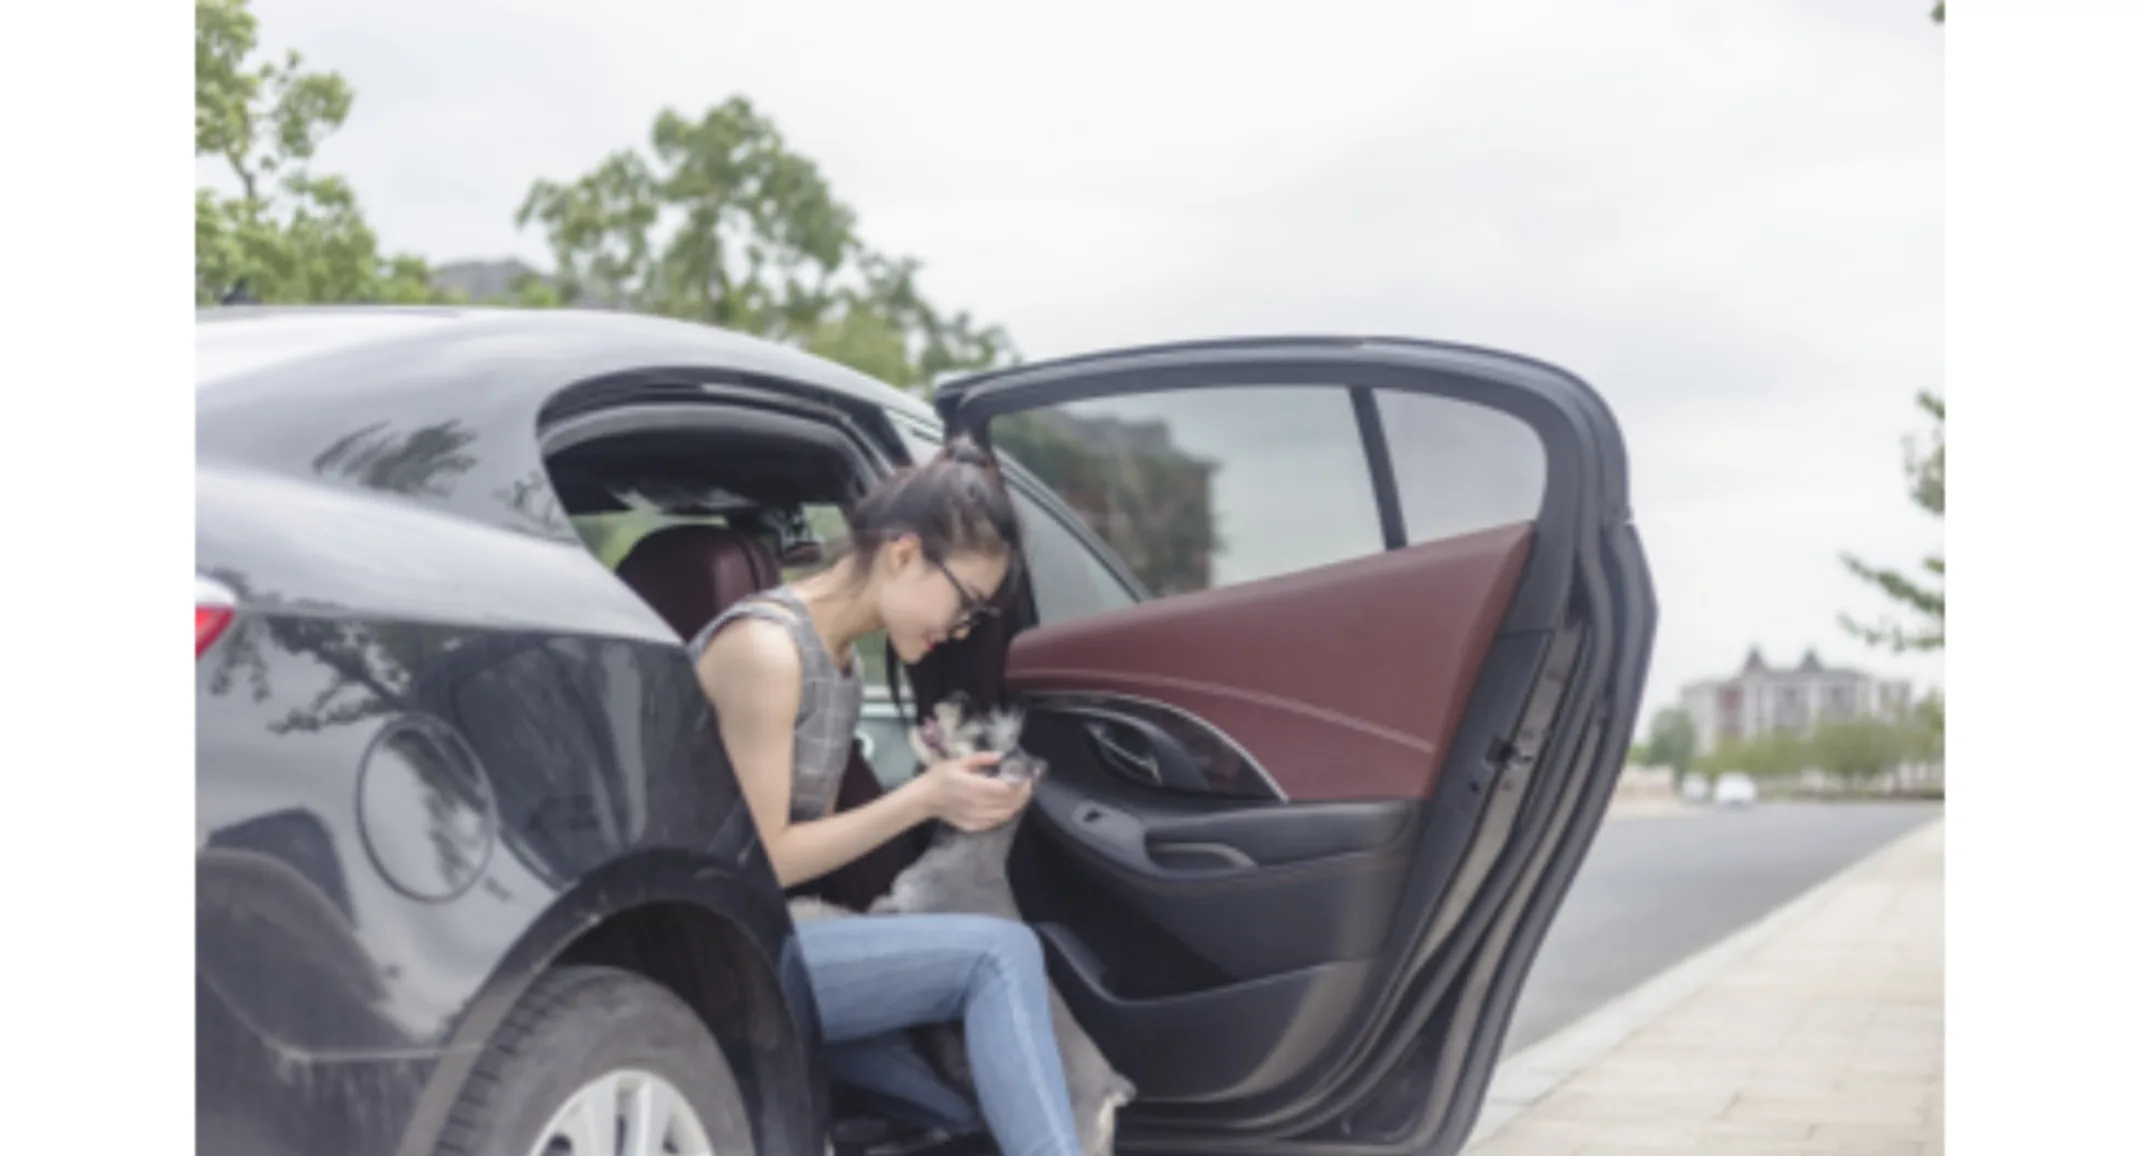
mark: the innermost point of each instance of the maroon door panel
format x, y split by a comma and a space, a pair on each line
1344, 682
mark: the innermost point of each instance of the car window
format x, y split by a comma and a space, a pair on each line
610, 535
1069, 580
882, 732
1460, 467
828, 524
1199, 489
919, 442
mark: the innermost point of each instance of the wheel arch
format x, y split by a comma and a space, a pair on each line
708, 961
717, 938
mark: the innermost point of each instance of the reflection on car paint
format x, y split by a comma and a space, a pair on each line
304, 945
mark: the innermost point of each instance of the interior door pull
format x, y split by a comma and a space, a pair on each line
1114, 750
1172, 854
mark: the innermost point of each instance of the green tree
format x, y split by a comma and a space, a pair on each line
289, 234
1926, 601
1774, 755
1672, 740
1859, 748
1927, 729
1939, 12
720, 221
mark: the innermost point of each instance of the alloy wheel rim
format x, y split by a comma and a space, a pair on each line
624, 1113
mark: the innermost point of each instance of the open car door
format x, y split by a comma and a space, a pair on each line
1325, 757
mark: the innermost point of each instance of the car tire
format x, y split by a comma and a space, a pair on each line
581, 1039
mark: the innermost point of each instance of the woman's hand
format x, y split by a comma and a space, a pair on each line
962, 794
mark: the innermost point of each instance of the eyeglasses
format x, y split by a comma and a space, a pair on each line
972, 607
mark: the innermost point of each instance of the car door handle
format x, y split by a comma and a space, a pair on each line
1115, 748
1143, 753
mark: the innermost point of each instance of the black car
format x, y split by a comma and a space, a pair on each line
1333, 646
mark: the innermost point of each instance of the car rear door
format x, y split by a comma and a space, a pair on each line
1318, 785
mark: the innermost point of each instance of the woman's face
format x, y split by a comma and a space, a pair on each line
925, 603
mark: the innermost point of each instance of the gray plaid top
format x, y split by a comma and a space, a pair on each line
831, 700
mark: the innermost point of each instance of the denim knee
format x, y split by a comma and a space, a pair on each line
1010, 946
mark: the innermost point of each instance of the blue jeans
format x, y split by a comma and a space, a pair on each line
897, 1083
875, 975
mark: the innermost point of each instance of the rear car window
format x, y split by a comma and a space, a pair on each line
1204, 488
1460, 467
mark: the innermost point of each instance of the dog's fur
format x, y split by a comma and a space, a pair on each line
965, 873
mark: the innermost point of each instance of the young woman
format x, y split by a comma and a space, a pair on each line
928, 549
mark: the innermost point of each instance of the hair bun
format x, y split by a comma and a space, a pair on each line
964, 451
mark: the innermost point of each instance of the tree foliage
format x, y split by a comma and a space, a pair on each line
289, 234
1672, 740
1924, 601
1772, 755
1928, 729
1927, 601
718, 220
1861, 748
1855, 749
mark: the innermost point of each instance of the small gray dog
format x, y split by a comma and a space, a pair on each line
964, 872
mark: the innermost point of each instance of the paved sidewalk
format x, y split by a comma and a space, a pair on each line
1820, 1031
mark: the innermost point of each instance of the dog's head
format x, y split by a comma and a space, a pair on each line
953, 730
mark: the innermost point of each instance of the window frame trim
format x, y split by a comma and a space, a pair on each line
1381, 467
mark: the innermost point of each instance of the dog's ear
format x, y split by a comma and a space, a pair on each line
942, 726
959, 732
948, 716
1000, 732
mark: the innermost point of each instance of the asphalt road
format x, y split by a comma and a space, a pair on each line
1655, 890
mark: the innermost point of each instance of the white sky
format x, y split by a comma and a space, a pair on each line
1726, 216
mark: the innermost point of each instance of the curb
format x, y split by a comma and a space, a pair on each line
1524, 1079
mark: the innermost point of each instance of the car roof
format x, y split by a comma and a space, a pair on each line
233, 343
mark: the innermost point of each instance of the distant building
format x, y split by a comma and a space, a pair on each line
1761, 700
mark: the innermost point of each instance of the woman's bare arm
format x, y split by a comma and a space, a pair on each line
753, 676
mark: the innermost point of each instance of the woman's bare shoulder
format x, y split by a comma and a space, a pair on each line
754, 656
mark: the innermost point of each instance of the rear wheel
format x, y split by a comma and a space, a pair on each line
600, 1062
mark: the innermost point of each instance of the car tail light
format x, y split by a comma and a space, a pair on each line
213, 608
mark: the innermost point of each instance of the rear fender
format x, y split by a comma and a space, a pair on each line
719, 937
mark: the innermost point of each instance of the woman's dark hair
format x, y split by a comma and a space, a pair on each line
955, 503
